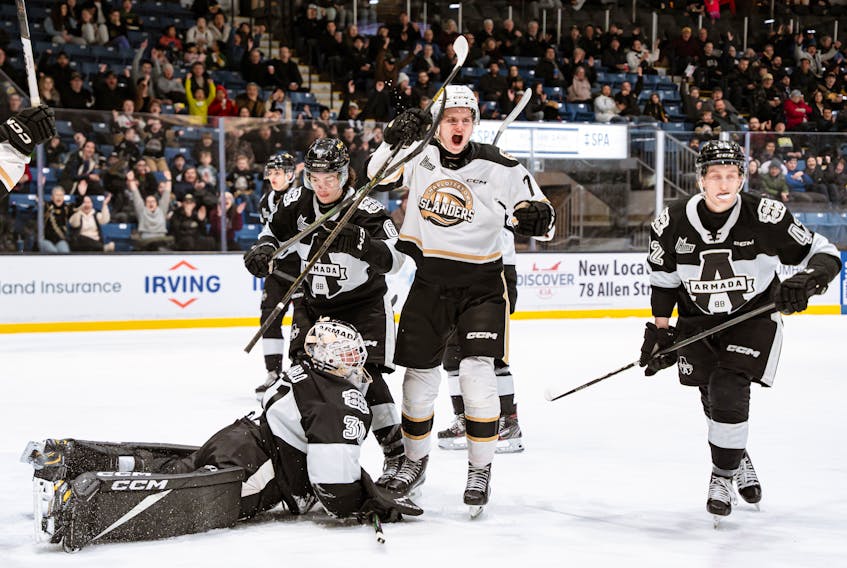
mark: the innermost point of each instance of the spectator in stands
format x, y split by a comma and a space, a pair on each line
129, 148
836, 180
534, 43
832, 91
126, 119
539, 107
309, 28
55, 152
640, 56
728, 121
491, 86
155, 139
151, 213
188, 226
222, 105
253, 69
143, 95
285, 72
198, 105
754, 178
220, 28
48, 92
614, 58
424, 88
741, 85
401, 97
570, 42
826, 122
803, 78
449, 33
361, 67
818, 176
91, 31
60, 25
200, 35
683, 51
810, 54
109, 93
773, 182
234, 221
82, 166
145, 180
796, 110
547, 69
171, 42
60, 71
130, 19
654, 108
580, 88
427, 62
378, 106
817, 105
85, 227
205, 169
800, 185
117, 32
509, 37
707, 126
692, 105
169, 88
252, 101
766, 100
605, 108
590, 41
56, 215
627, 99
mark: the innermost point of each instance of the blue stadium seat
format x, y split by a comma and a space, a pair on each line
673, 126
554, 93
248, 235
298, 98
118, 233
23, 201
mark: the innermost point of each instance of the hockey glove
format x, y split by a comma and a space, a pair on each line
792, 295
28, 128
535, 218
352, 239
407, 128
388, 507
656, 339
257, 260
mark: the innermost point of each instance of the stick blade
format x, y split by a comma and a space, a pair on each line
460, 46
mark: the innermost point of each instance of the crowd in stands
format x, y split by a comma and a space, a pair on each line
143, 71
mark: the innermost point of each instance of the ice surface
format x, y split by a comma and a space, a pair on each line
614, 475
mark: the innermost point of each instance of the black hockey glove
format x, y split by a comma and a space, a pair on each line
352, 239
535, 218
388, 507
28, 128
257, 260
656, 339
407, 128
792, 295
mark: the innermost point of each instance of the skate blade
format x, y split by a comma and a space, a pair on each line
453, 443
476, 510
716, 521
511, 446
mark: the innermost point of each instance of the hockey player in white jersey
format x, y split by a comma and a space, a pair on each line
19, 136
459, 193
714, 256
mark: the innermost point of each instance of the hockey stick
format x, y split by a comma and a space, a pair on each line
377, 524
461, 48
34, 96
678, 345
513, 115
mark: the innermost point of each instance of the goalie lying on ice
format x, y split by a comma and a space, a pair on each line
302, 449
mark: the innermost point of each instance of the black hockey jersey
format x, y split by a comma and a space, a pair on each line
728, 268
319, 422
337, 278
290, 262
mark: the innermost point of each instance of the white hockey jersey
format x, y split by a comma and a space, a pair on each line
458, 214
12, 165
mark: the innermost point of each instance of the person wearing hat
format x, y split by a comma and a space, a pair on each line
797, 111
75, 96
188, 226
683, 51
388, 67
772, 181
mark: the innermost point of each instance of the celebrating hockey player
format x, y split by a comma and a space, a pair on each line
302, 449
459, 194
714, 256
19, 136
510, 437
348, 283
280, 173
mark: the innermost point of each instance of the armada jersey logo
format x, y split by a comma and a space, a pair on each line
329, 269
446, 203
719, 289
184, 282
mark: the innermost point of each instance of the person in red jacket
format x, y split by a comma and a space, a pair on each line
796, 111
222, 105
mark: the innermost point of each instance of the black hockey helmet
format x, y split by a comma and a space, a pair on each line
281, 161
721, 152
327, 155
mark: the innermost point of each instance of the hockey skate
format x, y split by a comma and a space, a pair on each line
390, 468
747, 482
453, 437
510, 440
410, 477
477, 489
51, 492
721, 497
269, 381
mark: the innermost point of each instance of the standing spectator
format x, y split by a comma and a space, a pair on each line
253, 69
151, 214
199, 79
803, 78
234, 221
754, 178
741, 85
605, 108
86, 235
797, 112
284, 71
683, 51
60, 71
426, 61
56, 215
424, 88
766, 100
222, 105
188, 226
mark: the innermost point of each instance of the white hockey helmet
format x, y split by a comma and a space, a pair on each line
457, 96
337, 348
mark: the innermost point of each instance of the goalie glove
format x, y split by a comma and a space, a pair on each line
29, 128
656, 339
535, 218
407, 128
352, 239
257, 260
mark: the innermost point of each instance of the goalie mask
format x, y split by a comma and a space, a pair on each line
457, 96
282, 161
337, 348
720, 153
327, 155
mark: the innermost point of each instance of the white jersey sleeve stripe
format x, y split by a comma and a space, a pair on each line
665, 279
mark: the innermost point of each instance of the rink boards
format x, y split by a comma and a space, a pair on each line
138, 291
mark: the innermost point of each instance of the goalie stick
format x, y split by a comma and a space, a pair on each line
460, 46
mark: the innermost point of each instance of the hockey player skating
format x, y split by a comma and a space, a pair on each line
19, 136
280, 173
304, 448
459, 193
348, 283
510, 437
714, 256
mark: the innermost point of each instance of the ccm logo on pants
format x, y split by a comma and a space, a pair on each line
741, 350
481, 335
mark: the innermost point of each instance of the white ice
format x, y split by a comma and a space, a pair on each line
614, 475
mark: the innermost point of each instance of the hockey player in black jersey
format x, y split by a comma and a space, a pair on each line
304, 448
714, 256
280, 174
348, 283
459, 193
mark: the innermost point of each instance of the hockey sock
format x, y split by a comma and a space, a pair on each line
505, 387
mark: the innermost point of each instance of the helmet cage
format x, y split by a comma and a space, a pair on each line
338, 349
